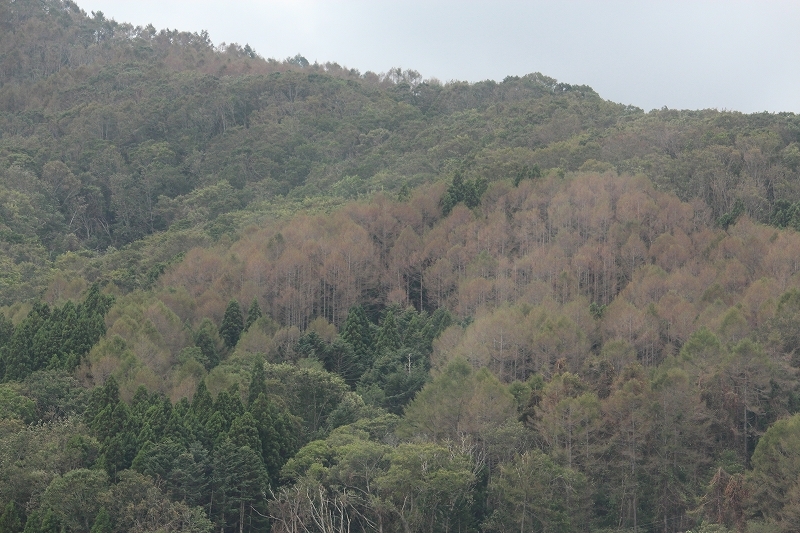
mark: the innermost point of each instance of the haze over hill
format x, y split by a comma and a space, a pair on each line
242, 294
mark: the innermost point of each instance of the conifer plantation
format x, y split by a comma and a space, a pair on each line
243, 295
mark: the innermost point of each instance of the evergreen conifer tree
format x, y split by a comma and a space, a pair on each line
202, 404
388, 336
258, 383
18, 353
102, 523
40, 521
232, 324
356, 332
253, 314
206, 339
244, 432
10, 520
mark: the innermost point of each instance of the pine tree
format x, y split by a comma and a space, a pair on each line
119, 440
439, 321
232, 324
177, 427
229, 405
253, 314
264, 413
102, 401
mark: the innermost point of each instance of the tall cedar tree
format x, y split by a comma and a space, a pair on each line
356, 332
206, 339
57, 338
253, 314
467, 191
258, 383
388, 336
232, 324
10, 520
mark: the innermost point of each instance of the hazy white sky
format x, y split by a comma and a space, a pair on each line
725, 54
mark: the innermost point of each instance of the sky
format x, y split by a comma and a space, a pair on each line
724, 54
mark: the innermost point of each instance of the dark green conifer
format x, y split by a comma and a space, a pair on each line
40, 521
177, 428
258, 384
215, 430
356, 332
232, 324
239, 483
18, 353
311, 346
11, 520
190, 476
253, 314
119, 439
340, 358
388, 336
102, 401
206, 339
6, 331
244, 432
440, 320
202, 403
102, 522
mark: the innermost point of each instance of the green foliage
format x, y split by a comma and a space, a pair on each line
232, 324
208, 340
436, 483
356, 332
388, 337
278, 432
102, 522
253, 314
337, 357
76, 497
527, 172
533, 493
239, 482
458, 402
14, 405
730, 217
610, 344
311, 395
776, 470
11, 519
39, 522
468, 192
56, 339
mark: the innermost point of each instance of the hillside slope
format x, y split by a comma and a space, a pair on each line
247, 295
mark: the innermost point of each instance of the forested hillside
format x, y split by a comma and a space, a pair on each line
242, 294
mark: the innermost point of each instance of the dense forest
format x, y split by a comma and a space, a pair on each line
248, 294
